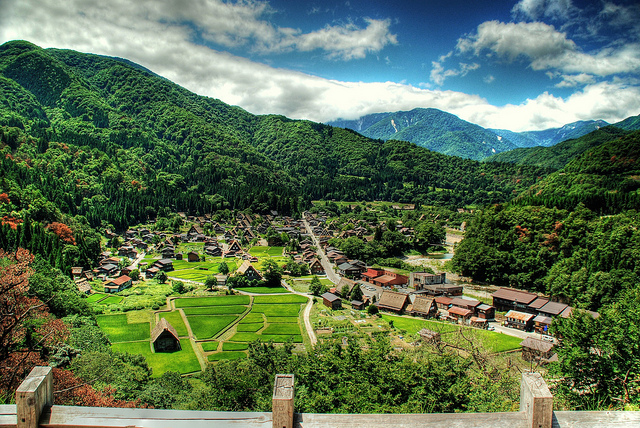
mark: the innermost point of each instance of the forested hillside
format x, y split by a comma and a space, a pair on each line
551, 137
556, 157
110, 141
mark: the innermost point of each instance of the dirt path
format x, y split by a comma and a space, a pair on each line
306, 316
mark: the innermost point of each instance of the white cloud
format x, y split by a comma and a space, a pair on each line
535, 9
570, 81
547, 49
489, 79
439, 74
167, 49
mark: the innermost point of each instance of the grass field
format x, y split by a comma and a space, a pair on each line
230, 355
215, 310
282, 320
263, 290
118, 330
209, 346
233, 346
277, 310
260, 251
205, 327
187, 302
277, 338
183, 361
252, 318
95, 297
490, 340
249, 327
175, 319
111, 300
289, 329
289, 298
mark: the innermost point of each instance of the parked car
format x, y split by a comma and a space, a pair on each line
491, 328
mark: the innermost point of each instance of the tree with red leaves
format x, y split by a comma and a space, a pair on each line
63, 231
26, 327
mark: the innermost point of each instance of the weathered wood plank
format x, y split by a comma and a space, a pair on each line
596, 419
33, 395
282, 402
536, 401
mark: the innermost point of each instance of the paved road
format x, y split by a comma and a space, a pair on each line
326, 264
513, 331
138, 259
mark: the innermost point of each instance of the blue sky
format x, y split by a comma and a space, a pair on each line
518, 65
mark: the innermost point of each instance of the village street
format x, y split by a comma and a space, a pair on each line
328, 267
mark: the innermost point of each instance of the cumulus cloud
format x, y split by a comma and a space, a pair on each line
570, 81
546, 48
439, 74
167, 48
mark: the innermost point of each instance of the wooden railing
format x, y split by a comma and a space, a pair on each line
34, 408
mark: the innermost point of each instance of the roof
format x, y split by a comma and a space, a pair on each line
520, 316
165, 261
553, 308
443, 300
422, 304
538, 303
330, 297
484, 307
120, 280
347, 282
392, 300
162, 326
536, 344
346, 266
384, 278
467, 303
459, 311
246, 265
542, 319
515, 295
108, 266
76, 270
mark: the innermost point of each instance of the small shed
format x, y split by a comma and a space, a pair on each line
429, 336
537, 350
332, 301
192, 256
164, 337
357, 305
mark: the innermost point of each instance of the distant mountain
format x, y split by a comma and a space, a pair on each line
556, 157
431, 128
551, 137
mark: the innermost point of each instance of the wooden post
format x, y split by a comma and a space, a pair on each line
33, 394
536, 400
283, 394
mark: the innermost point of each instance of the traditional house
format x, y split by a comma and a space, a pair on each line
234, 247
423, 306
168, 252
194, 231
470, 304
164, 264
347, 285
127, 251
392, 301
506, 299
443, 302
249, 271
535, 306
117, 284
164, 337
315, 267
107, 269
332, 301
192, 256
357, 305
478, 322
441, 289
151, 272
213, 251
552, 309
347, 269
485, 311
83, 286
76, 272
384, 278
519, 320
537, 350
541, 324
460, 315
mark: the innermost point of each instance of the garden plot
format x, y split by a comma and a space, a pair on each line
183, 361
188, 302
175, 319
206, 327
215, 310
118, 330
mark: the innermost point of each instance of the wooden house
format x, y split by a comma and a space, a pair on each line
485, 311
459, 315
248, 270
76, 272
213, 251
537, 350
443, 302
332, 301
392, 301
315, 267
429, 336
506, 299
234, 246
519, 320
192, 256
164, 337
423, 306
358, 305
418, 280
117, 284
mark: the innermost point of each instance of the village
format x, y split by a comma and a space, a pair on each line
351, 292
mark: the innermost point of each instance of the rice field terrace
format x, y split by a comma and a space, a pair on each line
209, 329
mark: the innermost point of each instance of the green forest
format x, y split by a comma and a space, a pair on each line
90, 143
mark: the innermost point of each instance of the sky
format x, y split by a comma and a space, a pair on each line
517, 65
